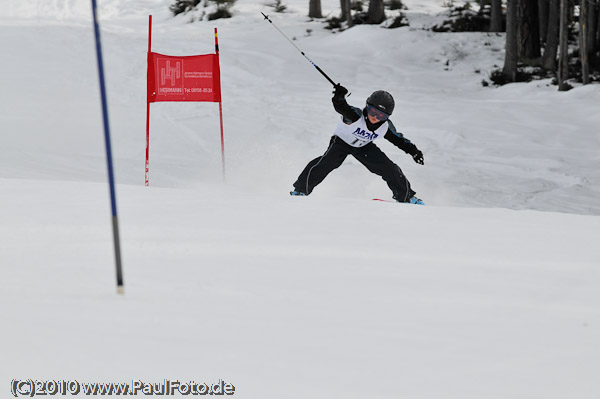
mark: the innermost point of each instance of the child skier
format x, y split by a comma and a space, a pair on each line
354, 136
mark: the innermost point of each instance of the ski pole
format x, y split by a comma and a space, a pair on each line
301, 52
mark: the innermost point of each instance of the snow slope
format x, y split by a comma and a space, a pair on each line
489, 291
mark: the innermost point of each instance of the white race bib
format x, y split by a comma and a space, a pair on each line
357, 134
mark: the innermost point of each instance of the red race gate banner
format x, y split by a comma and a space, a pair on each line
185, 78
188, 78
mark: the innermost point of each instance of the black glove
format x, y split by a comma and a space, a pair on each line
418, 157
339, 91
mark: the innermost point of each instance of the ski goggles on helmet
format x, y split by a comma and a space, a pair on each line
376, 113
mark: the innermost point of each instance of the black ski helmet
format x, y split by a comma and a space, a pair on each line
382, 100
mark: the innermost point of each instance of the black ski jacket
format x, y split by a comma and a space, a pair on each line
352, 114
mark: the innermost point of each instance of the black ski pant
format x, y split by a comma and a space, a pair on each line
370, 156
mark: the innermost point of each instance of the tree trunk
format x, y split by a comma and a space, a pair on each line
551, 50
563, 60
510, 58
375, 14
346, 11
583, 42
594, 13
598, 34
598, 28
529, 32
496, 16
314, 9
543, 10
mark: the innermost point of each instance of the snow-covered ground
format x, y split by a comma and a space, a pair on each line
489, 291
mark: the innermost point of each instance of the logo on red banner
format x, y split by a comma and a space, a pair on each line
192, 78
171, 80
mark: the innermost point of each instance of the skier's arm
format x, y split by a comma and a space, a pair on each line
350, 114
398, 139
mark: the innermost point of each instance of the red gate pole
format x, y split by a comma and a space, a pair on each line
148, 103
222, 140
220, 107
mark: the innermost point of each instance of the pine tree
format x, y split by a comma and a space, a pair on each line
314, 9
346, 11
563, 60
496, 16
511, 56
376, 12
528, 32
583, 41
552, 35
183, 6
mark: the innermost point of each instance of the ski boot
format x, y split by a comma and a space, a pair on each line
416, 201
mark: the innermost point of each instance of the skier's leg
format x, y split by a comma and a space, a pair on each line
377, 162
318, 169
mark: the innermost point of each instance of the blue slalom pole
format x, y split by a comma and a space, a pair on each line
111, 179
